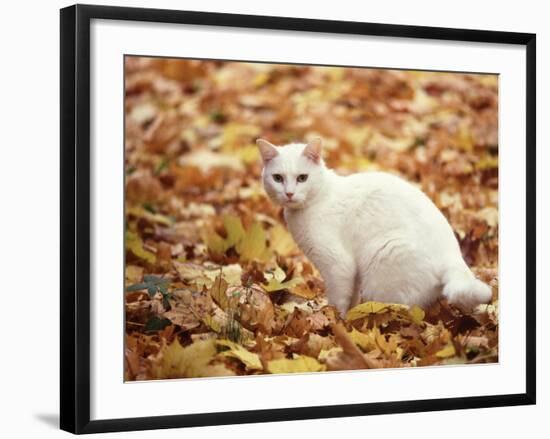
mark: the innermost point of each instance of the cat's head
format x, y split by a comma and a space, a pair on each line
292, 174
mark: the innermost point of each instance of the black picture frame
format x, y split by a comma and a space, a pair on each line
75, 217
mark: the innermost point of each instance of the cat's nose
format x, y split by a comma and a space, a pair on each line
289, 195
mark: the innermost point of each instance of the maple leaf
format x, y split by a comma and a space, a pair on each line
253, 246
446, 352
366, 342
366, 308
135, 245
218, 293
302, 289
235, 230
134, 274
276, 281
249, 359
175, 361
297, 364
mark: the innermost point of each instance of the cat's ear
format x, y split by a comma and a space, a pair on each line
268, 151
313, 149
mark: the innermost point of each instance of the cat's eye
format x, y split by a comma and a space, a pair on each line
278, 178
301, 178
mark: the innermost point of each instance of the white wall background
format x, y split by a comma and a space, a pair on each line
29, 216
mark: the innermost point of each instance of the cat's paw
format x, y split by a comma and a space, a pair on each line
466, 294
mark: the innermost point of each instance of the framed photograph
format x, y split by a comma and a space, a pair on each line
275, 218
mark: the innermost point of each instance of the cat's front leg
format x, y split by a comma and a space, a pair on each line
339, 285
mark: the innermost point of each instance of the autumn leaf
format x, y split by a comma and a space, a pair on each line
297, 364
140, 212
276, 281
367, 308
213, 323
134, 274
417, 314
235, 230
193, 361
217, 291
249, 359
253, 245
364, 341
135, 245
214, 242
446, 352
301, 289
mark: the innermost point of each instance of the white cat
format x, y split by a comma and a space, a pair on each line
372, 235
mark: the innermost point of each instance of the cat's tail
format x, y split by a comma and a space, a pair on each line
461, 288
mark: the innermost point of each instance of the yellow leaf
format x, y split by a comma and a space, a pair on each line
302, 290
134, 274
230, 273
275, 280
364, 341
248, 153
140, 212
253, 245
214, 242
234, 228
235, 134
213, 323
464, 138
417, 314
193, 361
325, 354
249, 359
193, 274
367, 308
217, 291
281, 241
135, 245
488, 162
447, 351
261, 79
300, 363
275, 285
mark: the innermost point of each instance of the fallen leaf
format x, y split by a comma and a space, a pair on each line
218, 293
249, 359
366, 308
364, 341
298, 364
417, 314
235, 230
350, 357
134, 274
302, 289
253, 246
135, 245
175, 361
446, 352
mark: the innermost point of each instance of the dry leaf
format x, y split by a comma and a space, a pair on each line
298, 364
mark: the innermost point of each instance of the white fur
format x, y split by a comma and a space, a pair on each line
372, 235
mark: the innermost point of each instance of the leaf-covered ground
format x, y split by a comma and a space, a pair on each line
214, 282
